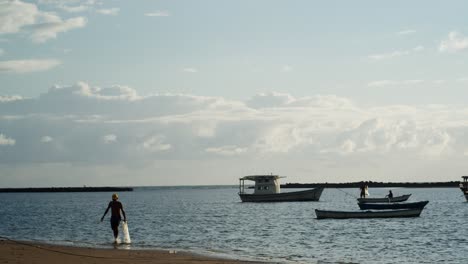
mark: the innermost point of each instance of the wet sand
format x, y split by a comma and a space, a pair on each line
30, 253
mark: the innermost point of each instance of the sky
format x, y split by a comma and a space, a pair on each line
132, 93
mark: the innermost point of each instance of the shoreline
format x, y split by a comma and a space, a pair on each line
22, 252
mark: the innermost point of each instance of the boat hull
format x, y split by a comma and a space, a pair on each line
385, 200
324, 214
386, 206
465, 192
301, 196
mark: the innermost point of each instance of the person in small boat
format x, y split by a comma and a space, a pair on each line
116, 207
363, 190
390, 194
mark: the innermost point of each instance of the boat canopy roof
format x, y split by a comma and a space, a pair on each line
255, 177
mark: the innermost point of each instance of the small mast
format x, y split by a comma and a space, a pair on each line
464, 185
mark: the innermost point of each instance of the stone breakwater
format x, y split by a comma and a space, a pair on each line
66, 189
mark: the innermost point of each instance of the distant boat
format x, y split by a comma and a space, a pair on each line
385, 200
386, 206
323, 214
267, 189
464, 187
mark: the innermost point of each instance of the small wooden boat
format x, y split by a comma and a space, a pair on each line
386, 206
267, 189
385, 199
323, 214
464, 187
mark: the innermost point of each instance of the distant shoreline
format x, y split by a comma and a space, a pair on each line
66, 189
448, 184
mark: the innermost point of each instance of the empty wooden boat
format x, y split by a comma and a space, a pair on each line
385, 199
387, 206
323, 214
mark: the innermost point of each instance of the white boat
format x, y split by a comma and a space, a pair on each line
323, 214
385, 199
267, 189
464, 187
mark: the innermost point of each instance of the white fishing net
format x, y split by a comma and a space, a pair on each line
126, 234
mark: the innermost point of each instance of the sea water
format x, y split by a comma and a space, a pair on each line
213, 221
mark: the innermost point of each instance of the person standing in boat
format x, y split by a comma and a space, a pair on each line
363, 190
115, 207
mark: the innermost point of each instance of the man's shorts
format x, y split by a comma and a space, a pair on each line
115, 221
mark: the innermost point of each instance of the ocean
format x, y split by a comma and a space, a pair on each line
211, 220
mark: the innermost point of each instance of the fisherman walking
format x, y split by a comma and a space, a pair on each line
115, 207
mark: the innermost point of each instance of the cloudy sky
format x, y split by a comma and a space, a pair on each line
109, 92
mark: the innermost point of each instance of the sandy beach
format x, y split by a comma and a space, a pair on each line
29, 253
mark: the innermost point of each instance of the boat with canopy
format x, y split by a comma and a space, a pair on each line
267, 189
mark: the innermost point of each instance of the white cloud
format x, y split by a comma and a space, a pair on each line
226, 150
439, 81
45, 31
388, 55
61, 2
383, 83
439, 144
205, 129
6, 141
286, 68
455, 42
406, 32
281, 138
25, 66
397, 53
110, 138
46, 139
74, 9
16, 16
270, 99
185, 131
2, 52
71, 6
411, 82
110, 11
115, 92
347, 147
10, 98
156, 143
190, 70
159, 13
